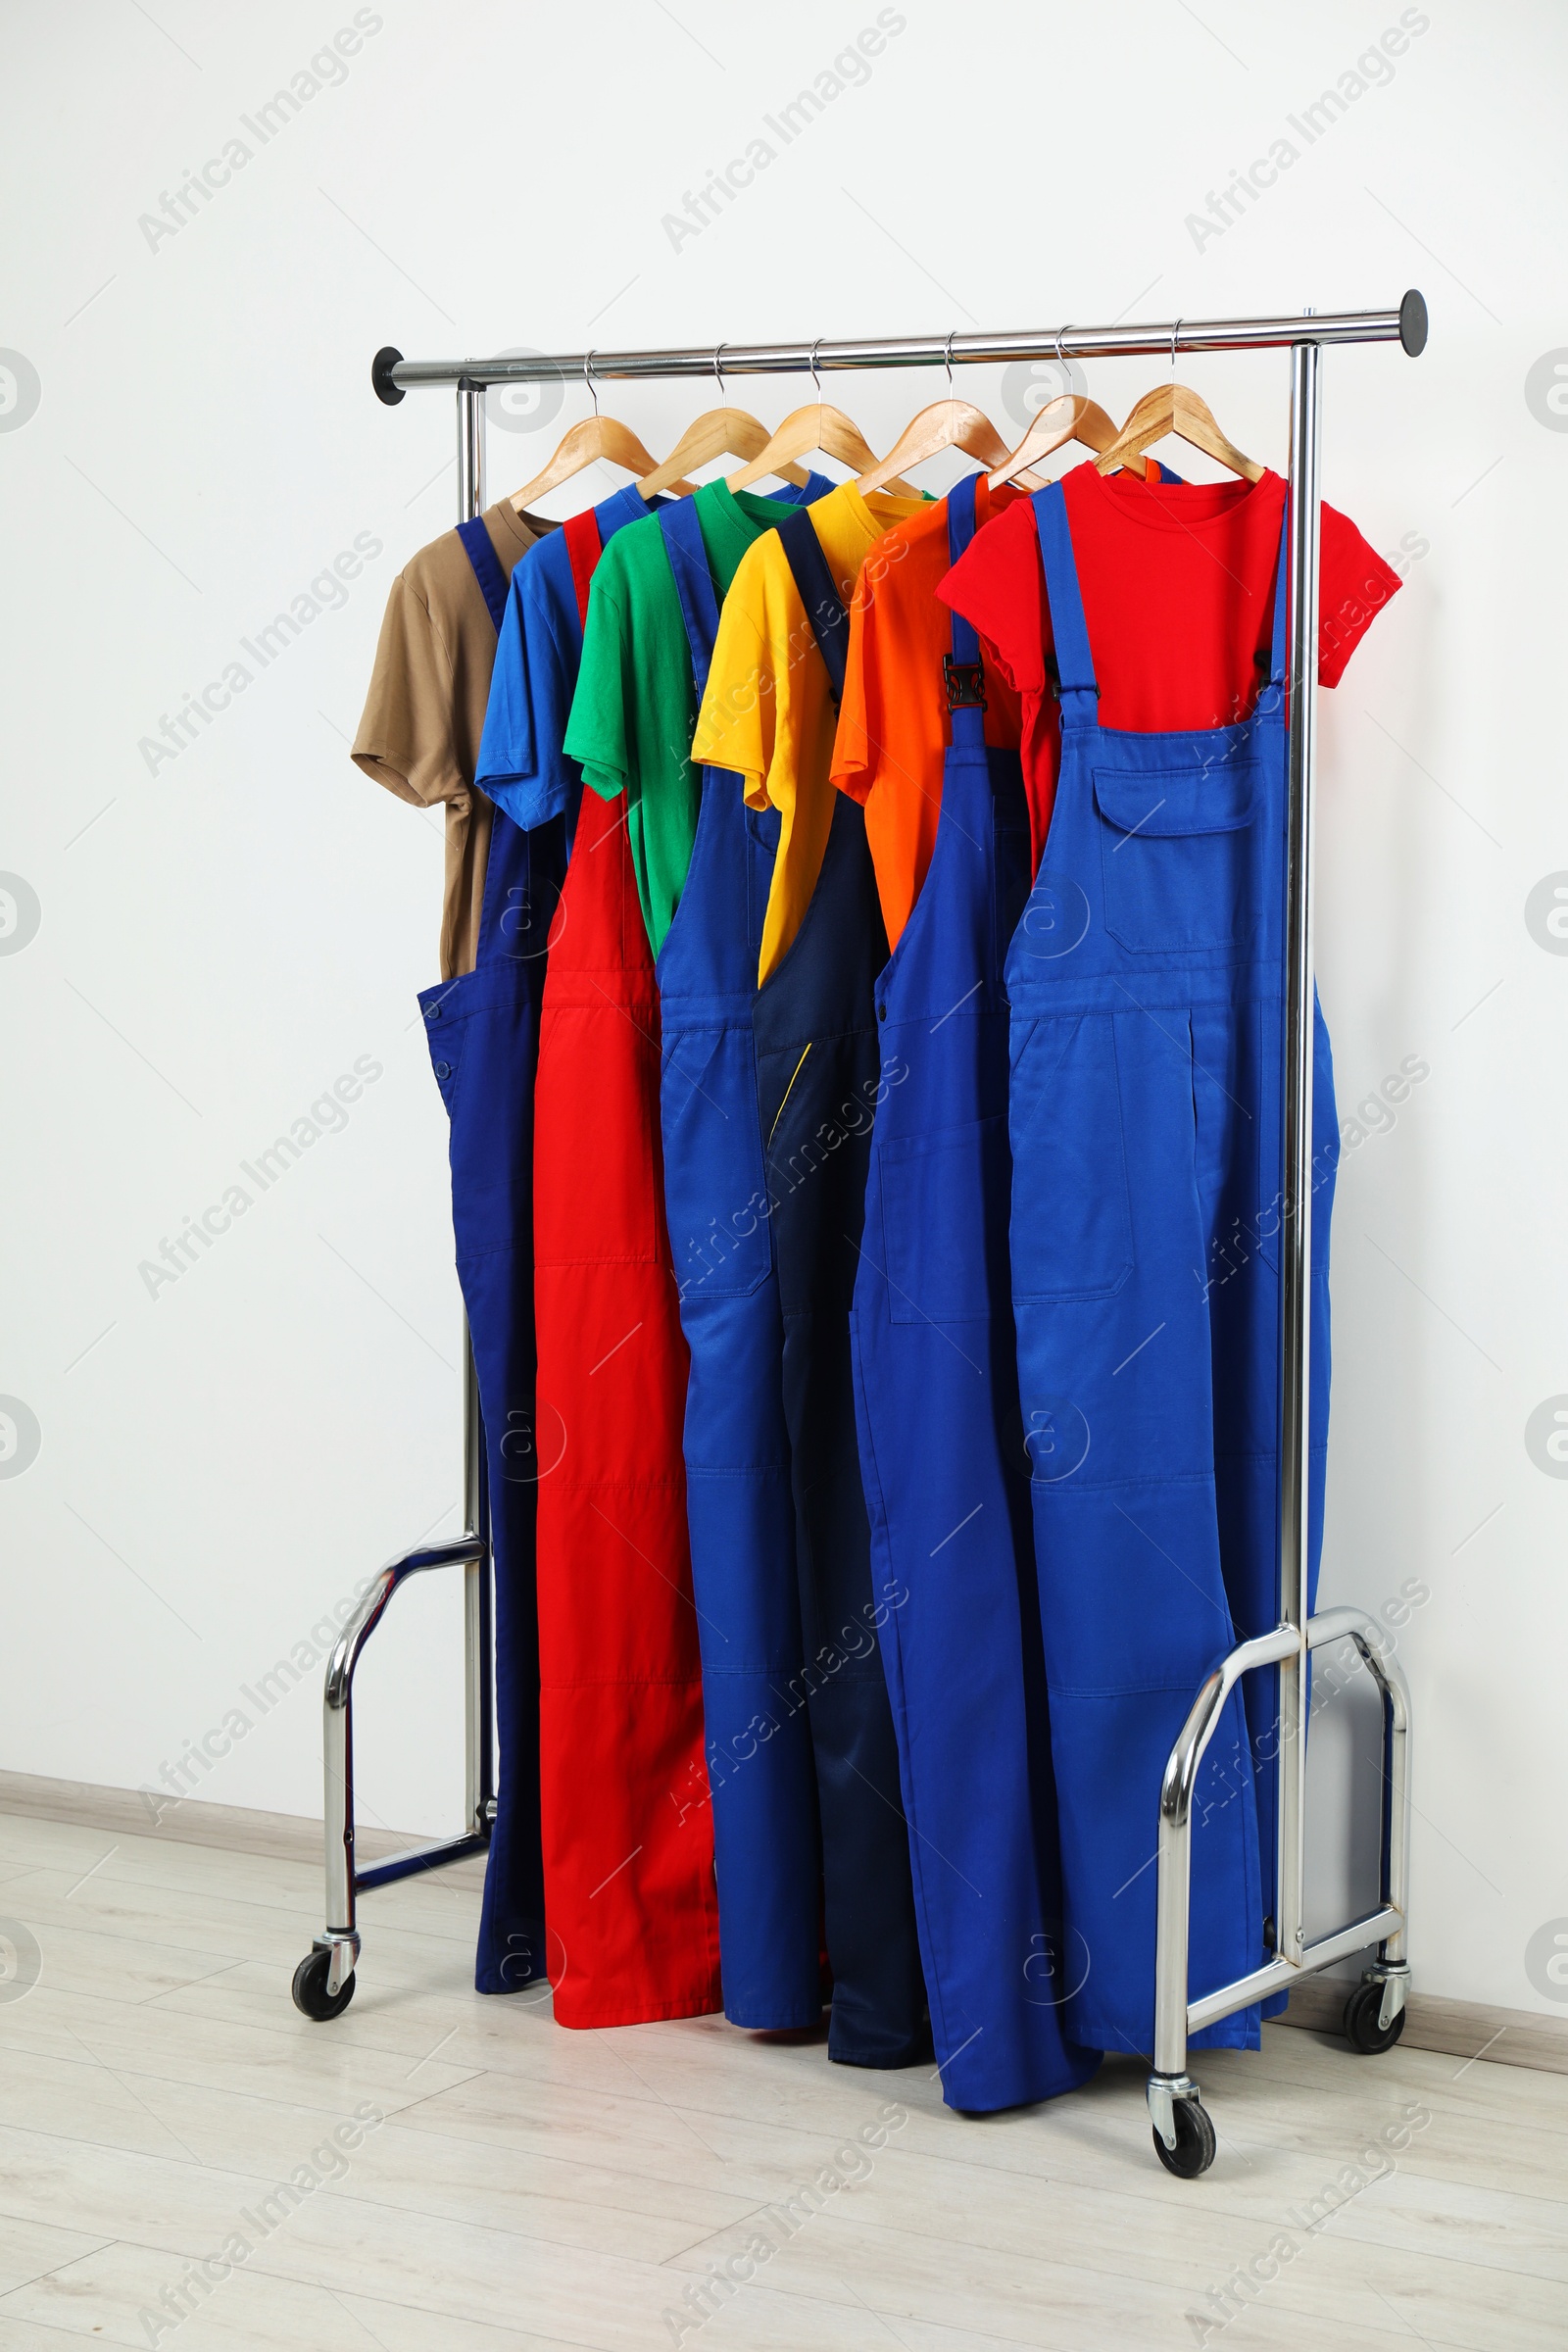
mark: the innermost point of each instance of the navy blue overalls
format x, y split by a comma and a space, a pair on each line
1146, 982
767, 1849
941, 1455
483, 1033
818, 1084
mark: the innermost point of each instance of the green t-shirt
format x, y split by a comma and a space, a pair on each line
635, 710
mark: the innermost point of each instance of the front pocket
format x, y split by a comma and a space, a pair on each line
1072, 1225
1179, 854
715, 1187
944, 1222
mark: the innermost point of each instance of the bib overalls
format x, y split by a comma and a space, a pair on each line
1146, 981
767, 1849
945, 1475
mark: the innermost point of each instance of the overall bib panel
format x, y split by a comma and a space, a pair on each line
819, 1083
1146, 1034
945, 1474
740, 1509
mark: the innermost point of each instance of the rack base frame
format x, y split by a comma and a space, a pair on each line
1183, 2135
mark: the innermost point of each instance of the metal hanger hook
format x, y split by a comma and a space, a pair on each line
815, 377
1176, 329
947, 358
1062, 360
588, 379
719, 371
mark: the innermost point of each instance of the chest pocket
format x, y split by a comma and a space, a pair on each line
715, 1187
1179, 852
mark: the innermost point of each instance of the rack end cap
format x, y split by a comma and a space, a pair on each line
1413, 324
387, 358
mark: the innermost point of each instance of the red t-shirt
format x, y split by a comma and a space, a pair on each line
1177, 580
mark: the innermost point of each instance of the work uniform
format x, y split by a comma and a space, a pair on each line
941, 1440
818, 1086
628, 1858
739, 1504
419, 736
1146, 983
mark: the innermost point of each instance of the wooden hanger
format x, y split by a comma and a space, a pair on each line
716, 433
946, 425
1069, 418
820, 426
594, 438
1174, 409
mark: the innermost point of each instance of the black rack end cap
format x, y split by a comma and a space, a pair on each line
387, 358
1413, 324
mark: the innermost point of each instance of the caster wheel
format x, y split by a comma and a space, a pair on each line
1194, 2151
310, 1988
1361, 2027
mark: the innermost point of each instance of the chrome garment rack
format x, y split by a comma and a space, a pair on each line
1183, 2135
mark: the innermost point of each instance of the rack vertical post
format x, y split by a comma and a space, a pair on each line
324, 1981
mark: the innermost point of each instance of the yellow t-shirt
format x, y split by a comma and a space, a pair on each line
769, 714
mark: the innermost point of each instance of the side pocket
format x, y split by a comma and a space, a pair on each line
444, 1009
715, 1187
946, 1256
1072, 1227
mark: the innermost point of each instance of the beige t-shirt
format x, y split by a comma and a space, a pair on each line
424, 712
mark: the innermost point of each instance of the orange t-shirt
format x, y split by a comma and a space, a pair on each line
894, 728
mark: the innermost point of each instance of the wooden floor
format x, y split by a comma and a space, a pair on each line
531, 2187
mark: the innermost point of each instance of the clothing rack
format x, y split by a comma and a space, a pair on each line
1374, 2014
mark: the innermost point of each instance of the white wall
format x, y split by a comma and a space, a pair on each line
218, 941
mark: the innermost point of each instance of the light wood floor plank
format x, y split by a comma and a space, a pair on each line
531, 2189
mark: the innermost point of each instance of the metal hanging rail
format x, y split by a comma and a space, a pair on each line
1184, 2137
393, 375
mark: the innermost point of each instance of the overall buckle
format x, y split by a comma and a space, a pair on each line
966, 682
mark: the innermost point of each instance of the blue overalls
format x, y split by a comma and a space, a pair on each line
767, 1849
941, 1455
818, 1086
1146, 982
483, 1033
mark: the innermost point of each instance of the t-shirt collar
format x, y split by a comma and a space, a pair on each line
1180, 505
624, 506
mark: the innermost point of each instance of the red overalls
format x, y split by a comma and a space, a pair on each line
628, 1843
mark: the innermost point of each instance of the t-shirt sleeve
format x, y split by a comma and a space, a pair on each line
1353, 586
999, 585
600, 732
860, 727
737, 723
405, 739
522, 764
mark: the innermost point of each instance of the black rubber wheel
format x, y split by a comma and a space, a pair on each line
1361, 2027
1194, 2151
310, 1988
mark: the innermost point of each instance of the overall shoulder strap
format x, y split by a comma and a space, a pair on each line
825, 606
682, 530
1075, 668
1282, 582
583, 549
486, 568
962, 672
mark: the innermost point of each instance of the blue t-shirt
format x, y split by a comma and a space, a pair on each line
521, 764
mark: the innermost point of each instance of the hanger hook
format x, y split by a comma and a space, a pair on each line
588, 379
1176, 329
719, 371
1062, 360
815, 377
947, 358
